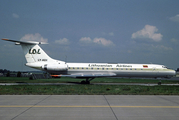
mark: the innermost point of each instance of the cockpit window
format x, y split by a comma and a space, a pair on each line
164, 66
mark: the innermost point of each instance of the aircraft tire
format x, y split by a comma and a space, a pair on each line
83, 82
159, 83
87, 82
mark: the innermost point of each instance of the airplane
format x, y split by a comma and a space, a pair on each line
38, 59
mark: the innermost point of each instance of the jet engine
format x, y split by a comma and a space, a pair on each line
55, 67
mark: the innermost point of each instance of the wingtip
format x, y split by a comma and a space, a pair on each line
5, 39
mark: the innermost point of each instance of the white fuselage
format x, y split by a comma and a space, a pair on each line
119, 69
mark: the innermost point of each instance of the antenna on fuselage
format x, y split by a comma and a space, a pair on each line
65, 59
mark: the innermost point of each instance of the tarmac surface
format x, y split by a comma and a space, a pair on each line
88, 107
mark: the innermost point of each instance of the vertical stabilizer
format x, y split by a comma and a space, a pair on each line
34, 53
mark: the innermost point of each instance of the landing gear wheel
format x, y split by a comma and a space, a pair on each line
159, 83
83, 82
87, 82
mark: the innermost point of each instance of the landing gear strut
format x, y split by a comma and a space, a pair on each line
87, 81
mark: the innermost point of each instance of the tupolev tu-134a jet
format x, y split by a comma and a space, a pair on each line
38, 59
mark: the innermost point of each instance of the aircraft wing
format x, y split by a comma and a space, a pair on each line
87, 75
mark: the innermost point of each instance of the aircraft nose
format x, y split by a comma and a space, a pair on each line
173, 72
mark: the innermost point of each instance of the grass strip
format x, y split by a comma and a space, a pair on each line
68, 80
88, 90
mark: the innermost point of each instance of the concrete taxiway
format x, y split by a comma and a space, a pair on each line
88, 107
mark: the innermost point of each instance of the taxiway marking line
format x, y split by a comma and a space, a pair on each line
26, 106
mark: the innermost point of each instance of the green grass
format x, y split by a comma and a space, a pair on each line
88, 90
66, 80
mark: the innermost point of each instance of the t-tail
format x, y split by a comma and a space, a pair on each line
37, 58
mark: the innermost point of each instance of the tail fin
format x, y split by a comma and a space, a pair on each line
32, 51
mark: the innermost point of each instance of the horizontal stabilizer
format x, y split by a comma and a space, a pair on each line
24, 42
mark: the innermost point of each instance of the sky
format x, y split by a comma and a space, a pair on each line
92, 31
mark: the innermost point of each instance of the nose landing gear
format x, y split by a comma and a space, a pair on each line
159, 83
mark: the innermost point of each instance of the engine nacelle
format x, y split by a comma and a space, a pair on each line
55, 67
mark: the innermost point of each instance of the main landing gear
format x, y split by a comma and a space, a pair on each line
87, 81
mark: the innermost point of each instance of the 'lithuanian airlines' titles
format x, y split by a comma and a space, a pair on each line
129, 66
109, 66
99, 65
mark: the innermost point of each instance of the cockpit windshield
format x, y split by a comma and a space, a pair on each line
164, 67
